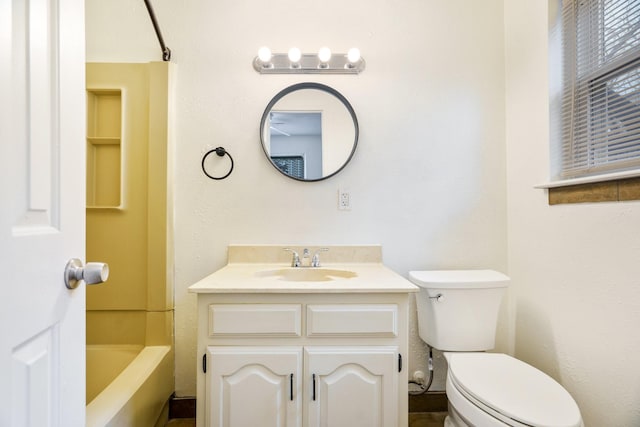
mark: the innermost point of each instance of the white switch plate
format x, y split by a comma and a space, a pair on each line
344, 200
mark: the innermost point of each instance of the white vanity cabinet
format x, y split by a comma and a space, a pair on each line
253, 386
352, 386
302, 359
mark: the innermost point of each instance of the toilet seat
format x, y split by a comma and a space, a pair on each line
512, 391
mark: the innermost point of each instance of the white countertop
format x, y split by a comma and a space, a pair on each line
250, 278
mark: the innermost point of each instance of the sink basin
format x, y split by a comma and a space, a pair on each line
311, 274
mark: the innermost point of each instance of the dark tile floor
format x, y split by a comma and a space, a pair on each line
416, 419
426, 419
182, 422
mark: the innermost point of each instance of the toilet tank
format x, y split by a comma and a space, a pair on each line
458, 309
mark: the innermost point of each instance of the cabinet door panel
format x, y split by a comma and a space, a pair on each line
354, 386
254, 386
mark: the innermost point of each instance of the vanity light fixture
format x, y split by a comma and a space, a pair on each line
294, 56
324, 55
264, 56
353, 57
296, 62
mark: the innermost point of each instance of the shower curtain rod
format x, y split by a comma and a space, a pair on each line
166, 52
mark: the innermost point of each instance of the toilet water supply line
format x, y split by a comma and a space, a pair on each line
424, 388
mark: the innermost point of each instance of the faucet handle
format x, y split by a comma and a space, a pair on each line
295, 260
315, 261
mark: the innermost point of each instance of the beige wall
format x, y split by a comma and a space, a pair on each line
575, 268
429, 94
427, 181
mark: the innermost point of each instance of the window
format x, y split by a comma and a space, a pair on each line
600, 129
290, 165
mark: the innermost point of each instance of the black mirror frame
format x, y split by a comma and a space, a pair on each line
317, 86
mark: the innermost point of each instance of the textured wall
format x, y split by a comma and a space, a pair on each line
575, 268
427, 181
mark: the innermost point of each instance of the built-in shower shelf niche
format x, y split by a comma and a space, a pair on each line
104, 154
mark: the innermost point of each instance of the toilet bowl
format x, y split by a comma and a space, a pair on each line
457, 314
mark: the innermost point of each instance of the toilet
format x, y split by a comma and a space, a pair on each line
457, 314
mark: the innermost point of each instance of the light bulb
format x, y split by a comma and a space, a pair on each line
264, 54
324, 54
353, 55
295, 55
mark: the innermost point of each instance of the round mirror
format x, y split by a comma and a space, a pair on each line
309, 131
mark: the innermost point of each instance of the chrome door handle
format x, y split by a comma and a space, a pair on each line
93, 273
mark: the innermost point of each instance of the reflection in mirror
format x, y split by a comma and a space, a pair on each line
300, 131
309, 131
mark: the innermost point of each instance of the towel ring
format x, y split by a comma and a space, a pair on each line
220, 151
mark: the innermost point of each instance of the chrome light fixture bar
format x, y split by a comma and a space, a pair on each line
296, 62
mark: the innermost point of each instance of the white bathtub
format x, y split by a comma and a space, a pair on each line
127, 385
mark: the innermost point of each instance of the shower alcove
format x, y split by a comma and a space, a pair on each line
128, 221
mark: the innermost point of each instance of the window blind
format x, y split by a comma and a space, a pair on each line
601, 86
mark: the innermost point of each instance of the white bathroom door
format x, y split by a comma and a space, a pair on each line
42, 185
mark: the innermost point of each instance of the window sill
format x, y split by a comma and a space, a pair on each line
616, 190
615, 176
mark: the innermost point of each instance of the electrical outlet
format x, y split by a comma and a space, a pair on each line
344, 200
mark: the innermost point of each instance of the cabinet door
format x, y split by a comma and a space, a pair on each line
254, 386
351, 386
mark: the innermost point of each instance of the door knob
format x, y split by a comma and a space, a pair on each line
93, 273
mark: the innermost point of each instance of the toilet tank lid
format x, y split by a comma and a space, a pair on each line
452, 279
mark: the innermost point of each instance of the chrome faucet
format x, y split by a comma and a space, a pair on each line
315, 262
306, 261
295, 260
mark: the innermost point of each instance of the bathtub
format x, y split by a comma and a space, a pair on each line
127, 385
